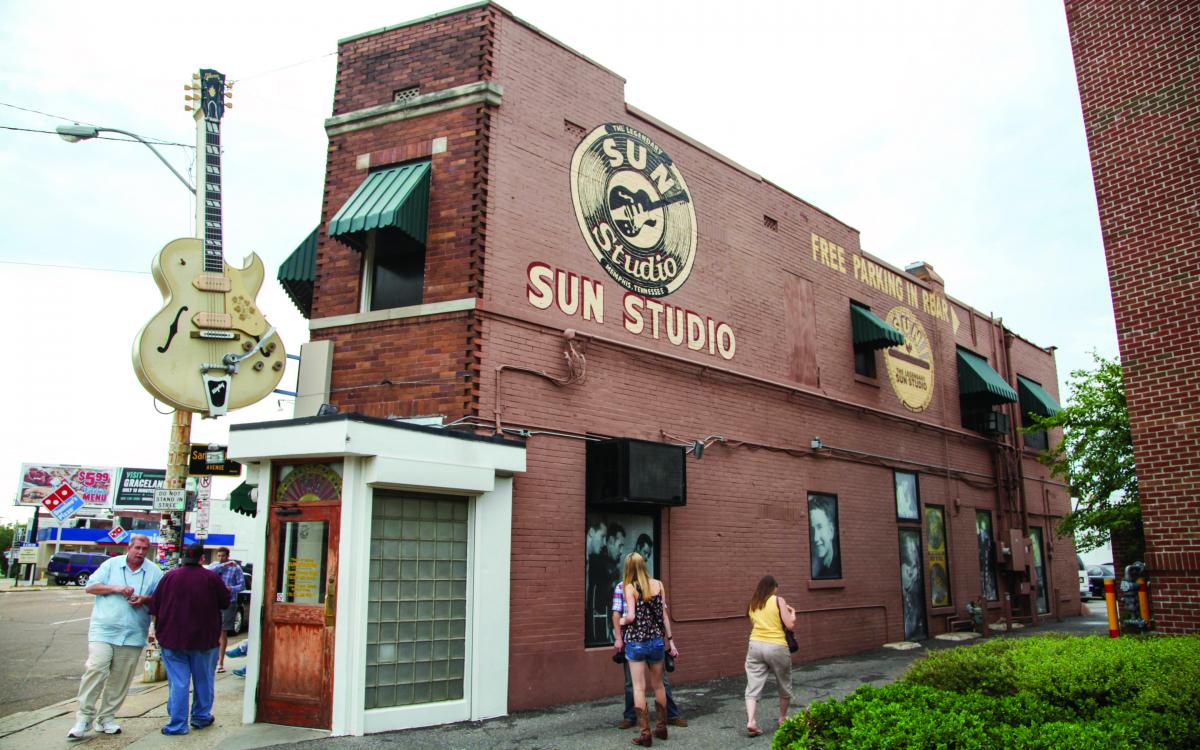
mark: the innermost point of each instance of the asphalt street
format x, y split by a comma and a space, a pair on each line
43, 644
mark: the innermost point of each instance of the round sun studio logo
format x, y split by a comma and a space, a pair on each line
634, 209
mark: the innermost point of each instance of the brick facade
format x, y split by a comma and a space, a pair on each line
777, 271
1138, 70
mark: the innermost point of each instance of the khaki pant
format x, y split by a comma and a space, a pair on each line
768, 658
106, 677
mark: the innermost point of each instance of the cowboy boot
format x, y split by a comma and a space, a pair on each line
644, 739
660, 720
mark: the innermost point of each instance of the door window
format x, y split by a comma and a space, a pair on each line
302, 562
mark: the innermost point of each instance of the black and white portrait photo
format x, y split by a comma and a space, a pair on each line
823, 546
987, 555
607, 539
907, 496
912, 584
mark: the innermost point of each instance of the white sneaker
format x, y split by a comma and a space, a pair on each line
79, 731
108, 727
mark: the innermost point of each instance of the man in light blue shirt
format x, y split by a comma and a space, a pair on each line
122, 586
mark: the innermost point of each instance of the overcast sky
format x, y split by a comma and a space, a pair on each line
946, 132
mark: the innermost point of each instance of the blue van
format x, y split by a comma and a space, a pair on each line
74, 566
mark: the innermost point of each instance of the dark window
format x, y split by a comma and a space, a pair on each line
396, 270
864, 362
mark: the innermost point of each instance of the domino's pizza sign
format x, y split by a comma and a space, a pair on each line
63, 502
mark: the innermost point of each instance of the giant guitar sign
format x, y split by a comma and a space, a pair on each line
209, 349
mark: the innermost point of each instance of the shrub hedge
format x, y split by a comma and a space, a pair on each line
1045, 692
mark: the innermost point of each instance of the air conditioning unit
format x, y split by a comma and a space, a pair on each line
626, 470
995, 423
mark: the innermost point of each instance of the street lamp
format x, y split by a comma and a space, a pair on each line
75, 133
181, 428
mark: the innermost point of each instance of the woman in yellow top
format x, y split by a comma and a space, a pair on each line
768, 651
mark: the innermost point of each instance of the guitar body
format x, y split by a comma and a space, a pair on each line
206, 316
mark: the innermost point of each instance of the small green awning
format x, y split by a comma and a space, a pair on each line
397, 197
298, 273
1035, 399
240, 501
870, 331
977, 380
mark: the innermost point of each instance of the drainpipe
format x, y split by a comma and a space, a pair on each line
1018, 440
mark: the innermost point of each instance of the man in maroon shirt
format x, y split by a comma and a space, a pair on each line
187, 624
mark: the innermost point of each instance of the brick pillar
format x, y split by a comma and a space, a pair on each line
1139, 82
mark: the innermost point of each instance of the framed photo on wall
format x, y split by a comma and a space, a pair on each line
824, 546
987, 555
912, 584
908, 496
939, 561
608, 538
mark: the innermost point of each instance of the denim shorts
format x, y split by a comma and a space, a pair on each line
644, 650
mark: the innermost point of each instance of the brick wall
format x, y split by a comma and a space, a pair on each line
1138, 69
429, 365
501, 201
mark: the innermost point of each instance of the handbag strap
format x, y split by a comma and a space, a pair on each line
779, 607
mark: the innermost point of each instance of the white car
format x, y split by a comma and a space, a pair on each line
1085, 591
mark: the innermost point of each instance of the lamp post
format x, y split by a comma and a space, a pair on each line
181, 423
75, 133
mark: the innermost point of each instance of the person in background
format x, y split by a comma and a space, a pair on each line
768, 650
122, 586
187, 613
629, 718
231, 575
644, 627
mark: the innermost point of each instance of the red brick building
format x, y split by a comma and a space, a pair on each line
507, 246
1137, 67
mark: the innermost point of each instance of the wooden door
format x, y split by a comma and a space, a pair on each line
299, 614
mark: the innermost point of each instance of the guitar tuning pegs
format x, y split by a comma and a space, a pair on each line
188, 108
195, 76
228, 105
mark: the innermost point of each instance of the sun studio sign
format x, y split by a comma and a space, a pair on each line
634, 210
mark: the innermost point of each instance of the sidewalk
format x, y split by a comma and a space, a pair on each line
715, 710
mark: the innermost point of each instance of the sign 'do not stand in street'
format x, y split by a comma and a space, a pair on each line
170, 501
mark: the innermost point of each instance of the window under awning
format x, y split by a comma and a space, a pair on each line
397, 198
298, 273
241, 500
870, 331
977, 380
1034, 399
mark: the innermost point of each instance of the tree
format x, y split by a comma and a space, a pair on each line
1095, 458
6, 539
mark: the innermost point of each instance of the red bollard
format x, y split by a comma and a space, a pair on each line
1110, 599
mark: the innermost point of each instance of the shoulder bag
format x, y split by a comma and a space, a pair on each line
793, 647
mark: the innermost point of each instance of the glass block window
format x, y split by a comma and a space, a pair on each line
417, 600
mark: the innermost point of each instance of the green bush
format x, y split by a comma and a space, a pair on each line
1049, 692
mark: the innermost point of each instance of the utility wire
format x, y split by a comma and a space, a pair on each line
69, 267
101, 137
262, 73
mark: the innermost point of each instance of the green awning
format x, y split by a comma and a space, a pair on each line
298, 273
240, 501
870, 331
977, 380
396, 197
1035, 399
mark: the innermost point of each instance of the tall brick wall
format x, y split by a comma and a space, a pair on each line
1139, 80
501, 201
428, 365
